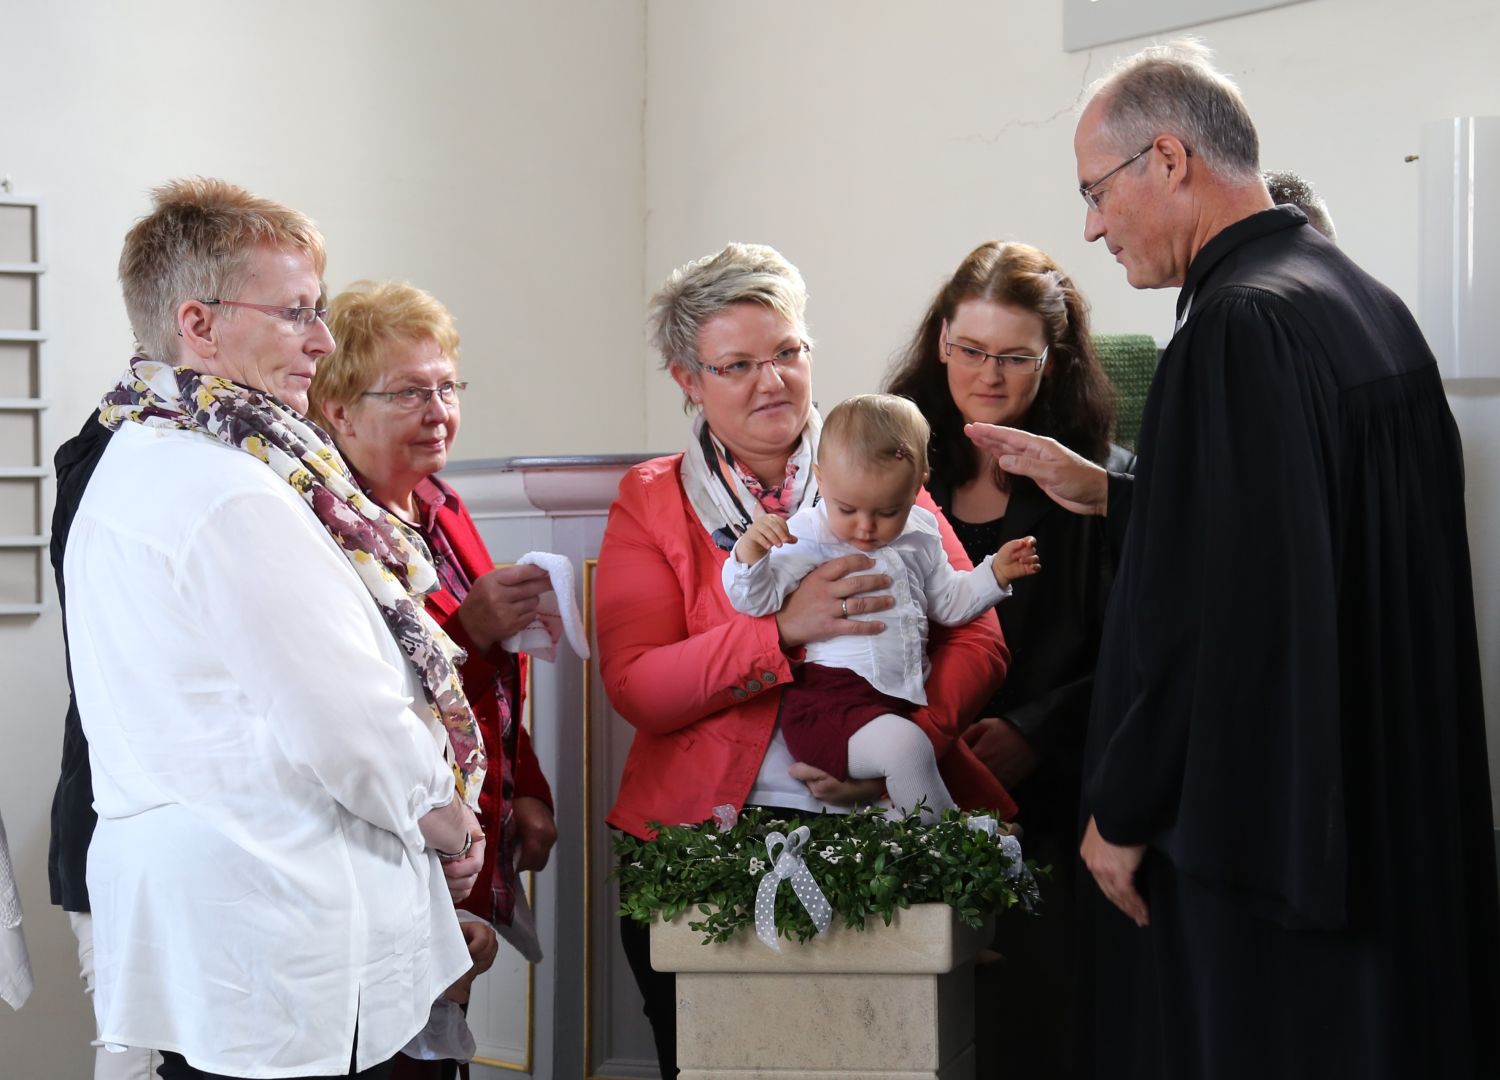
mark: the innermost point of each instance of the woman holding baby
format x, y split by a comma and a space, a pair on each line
701, 682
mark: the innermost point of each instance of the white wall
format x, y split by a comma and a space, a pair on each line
875, 142
488, 152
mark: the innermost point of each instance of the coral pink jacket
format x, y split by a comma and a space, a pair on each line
701, 683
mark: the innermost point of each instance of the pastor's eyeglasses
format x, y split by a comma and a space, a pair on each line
745, 370
300, 317
1091, 192
416, 397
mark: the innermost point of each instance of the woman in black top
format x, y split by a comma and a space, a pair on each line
1006, 341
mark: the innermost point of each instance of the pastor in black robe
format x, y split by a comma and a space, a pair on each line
1287, 708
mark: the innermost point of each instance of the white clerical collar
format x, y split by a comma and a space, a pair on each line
1187, 306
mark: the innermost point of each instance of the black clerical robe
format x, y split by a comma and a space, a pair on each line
1287, 708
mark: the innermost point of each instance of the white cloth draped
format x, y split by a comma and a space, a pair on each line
15, 964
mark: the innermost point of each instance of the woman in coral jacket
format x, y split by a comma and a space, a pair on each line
700, 682
389, 394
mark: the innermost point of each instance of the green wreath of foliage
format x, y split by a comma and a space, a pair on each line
865, 863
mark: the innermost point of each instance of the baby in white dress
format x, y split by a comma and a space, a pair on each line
847, 710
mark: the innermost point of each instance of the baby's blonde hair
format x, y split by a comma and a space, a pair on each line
878, 430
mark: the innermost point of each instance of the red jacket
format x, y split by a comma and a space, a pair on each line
479, 672
701, 682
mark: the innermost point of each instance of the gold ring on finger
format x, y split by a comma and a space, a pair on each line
844, 606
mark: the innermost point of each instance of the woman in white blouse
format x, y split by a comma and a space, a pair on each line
281, 752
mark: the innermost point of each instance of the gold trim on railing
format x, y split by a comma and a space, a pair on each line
589, 566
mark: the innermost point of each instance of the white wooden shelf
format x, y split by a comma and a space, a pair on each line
22, 540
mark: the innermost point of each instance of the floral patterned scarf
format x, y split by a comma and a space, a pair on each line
389, 557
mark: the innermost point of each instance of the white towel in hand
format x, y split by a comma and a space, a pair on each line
535, 639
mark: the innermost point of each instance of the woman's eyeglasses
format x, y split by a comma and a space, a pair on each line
300, 317
744, 370
417, 397
967, 356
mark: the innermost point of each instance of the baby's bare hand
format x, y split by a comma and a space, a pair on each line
766, 532
772, 531
1016, 559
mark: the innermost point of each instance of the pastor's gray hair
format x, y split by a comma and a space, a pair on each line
1174, 89
699, 290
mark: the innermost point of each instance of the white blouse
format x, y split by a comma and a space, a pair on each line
923, 582
258, 881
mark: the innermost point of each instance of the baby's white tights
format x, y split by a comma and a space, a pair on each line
897, 749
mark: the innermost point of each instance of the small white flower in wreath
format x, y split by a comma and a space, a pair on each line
756, 866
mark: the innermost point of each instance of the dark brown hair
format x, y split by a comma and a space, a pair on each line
1075, 402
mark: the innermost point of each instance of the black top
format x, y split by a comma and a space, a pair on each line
978, 538
1052, 620
1287, 708
1052, 624
73, 815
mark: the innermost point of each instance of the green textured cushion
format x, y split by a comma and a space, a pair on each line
1130, 361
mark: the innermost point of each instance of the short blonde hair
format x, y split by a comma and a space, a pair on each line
876, 430
196, 245
699, 290
366, 319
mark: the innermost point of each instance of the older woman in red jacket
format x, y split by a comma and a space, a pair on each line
700, 682
389, 395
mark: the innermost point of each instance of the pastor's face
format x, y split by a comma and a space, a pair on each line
1131, 217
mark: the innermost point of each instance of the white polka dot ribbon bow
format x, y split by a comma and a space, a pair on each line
1010, 847
789, 865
